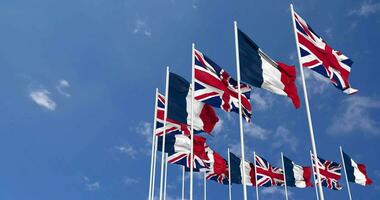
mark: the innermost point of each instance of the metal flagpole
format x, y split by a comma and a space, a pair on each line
314, 148
166, 174
154, 167
315, 182
240, 108
153, 146
254, 164
204, 187
164, 133
283, 167
183, 182
192, 122
345, 173
229, 175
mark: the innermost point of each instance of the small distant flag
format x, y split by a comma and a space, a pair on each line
356, 173
179, 106
296, 175
330, 173
317, 55
214, 86
268, 175
259, 70
237, 171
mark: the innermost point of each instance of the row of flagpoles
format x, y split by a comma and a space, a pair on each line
335, 64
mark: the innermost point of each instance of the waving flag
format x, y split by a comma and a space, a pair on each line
330, 173
237, 171
267, 175
179, 150
179, 106
259, 70
218, 169
317, 55
214, 86
356, 173
296, 176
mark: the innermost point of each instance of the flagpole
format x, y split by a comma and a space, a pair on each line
183, 182
154, 167
192, 122
240, 108
254, 164
204, 187
153, 146
283, 167
314, 148
164, 133
315, 182
166, 174
229, 175
345, 173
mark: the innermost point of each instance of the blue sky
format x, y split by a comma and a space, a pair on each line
78, 80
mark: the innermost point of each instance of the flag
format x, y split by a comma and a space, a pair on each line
218, 169
179, 150
317, 55
237, 171
330, 173
296, 176
214, 86
179, 106
356, 173
267, 175
259, 70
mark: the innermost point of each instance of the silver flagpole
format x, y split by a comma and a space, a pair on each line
183, 182
204, 187
229, 175
315, 182
164, 133
240, 108
314, 147
166, 174
345, 173
254, 164
153, 146
283, 167
192, 122
154, 167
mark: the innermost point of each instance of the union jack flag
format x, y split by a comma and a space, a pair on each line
317, 55
329, 171
218, 169
266, 174
214, 86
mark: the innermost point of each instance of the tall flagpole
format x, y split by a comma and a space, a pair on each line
192, 122
204, 187
154, 167
283, 167
229, 175
314, 148
345, 173
166, 174
240, 109
315, 182
153, 146
256, 185
164, 132
183, 182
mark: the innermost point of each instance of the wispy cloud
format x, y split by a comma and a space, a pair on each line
366, 8
316, 82
283, 137
141, 27
41, 97
355, 114
130, 181
91, 186
61, 86
256, 131
127, 149
145, 129
262, 100
218, 127
270, 191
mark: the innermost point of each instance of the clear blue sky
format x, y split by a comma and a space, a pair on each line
78, 78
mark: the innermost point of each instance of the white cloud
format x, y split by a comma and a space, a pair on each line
218, 127
262, 100
315, 82
41, 98
91, 186
328, 33
283, 137
355, 114
127, 149
141, 27
61, 86
145, 129
367, 8
256, 131
130, 180
274, 191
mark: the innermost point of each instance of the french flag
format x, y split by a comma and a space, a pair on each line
296, 175
356, 173
236, 167
179, 106
259, 70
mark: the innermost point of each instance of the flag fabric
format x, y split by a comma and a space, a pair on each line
218, 169
237, 171
356, 173
330, 173
214, 86
259, 70
267, 175
317, 55
179, 150
296, 175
